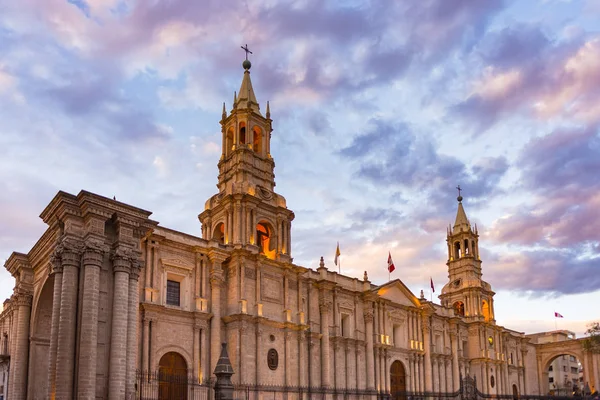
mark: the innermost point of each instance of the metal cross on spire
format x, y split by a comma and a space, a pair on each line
245, 48
459, 189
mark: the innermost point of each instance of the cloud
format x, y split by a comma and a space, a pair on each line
544, 272
559, 171
392, 155
527, 74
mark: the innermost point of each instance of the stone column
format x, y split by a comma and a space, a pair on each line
325, 361
216, 281
145, 345
65, 356
118, 340
449, 380
386, 363
455, 371
301, 359
287, 337
259, 355
20, 359
237, 223
58, 275
205, 353
368, 315
289, 239
88, 346
196, 348
427, 348
523, 355
132, 327
148, 271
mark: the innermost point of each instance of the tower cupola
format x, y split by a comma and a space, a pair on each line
469, 295
247, 213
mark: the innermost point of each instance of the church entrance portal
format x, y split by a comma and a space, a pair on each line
398, 381
172, 370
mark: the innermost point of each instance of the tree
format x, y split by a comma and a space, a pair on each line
592, 342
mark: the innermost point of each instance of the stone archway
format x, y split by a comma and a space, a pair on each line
398, 381
40, 341
548, 352
172, 372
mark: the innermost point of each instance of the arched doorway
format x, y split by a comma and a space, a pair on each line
515, 391
398, 381
172, 372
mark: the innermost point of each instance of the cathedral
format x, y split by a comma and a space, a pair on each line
107, 292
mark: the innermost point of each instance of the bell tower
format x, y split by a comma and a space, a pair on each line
247, 213
469, 295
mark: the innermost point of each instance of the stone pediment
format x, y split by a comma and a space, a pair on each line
178, 263
398, 293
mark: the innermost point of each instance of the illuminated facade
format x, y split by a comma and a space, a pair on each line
107, 291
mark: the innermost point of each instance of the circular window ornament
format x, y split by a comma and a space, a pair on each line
272, 359
491, 341
272, 338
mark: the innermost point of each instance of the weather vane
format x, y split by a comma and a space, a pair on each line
245, 48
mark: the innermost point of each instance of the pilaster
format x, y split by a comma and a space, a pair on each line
65, 359
368, 315
57, 271
121, 259
93, 256
216, 282
21, 356
132, 325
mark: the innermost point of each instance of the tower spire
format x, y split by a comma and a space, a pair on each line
247, 98
462, 222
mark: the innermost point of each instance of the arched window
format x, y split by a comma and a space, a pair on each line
257, 140
229, 142
265, 240
466, 250
473, 249
456, 250
219, 233
242, 133
485, 310
459, 308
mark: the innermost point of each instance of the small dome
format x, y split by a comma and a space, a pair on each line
246, 64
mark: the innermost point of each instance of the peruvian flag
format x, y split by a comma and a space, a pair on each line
557, 315
431, 283
391, 266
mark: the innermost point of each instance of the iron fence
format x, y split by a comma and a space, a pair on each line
159, 386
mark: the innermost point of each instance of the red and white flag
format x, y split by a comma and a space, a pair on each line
557, 315
391, 266
431, 283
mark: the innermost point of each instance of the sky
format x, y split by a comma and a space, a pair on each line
380, 109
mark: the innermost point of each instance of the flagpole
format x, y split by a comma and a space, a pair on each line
555, 323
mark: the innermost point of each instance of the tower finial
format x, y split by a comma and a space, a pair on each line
224, 111
268, 111
246, 64
459, 198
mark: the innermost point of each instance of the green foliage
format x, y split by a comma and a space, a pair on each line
592, 342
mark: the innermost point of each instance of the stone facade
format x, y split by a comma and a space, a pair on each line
107, 291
